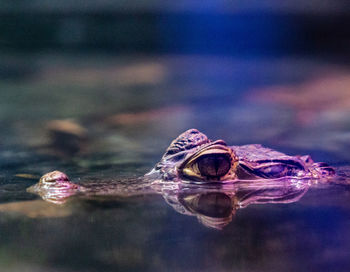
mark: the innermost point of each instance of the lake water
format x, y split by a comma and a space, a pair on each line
123, 113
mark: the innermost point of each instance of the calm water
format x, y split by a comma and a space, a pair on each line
123, 113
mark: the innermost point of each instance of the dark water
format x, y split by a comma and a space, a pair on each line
126, 111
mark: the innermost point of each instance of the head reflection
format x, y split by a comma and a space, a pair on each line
214, 204
216, 207
213, 209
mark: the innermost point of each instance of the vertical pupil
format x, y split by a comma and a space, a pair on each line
213, 165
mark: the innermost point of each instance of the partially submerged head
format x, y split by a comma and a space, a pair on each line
192, 156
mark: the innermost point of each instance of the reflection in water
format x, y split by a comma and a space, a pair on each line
215, 207
213, 204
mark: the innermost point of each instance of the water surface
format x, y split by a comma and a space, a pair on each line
127, 111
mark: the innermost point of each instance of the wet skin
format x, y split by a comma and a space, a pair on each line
193, 157
204, 178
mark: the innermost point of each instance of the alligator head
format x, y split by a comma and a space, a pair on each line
192, 156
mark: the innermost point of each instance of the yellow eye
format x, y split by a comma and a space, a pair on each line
211, 164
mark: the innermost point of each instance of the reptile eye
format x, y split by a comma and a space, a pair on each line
213, 165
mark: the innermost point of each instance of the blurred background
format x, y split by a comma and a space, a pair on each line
117, 80
241, 61
186, 27
275, 71
98, 89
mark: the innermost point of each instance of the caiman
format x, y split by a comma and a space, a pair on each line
206, 178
